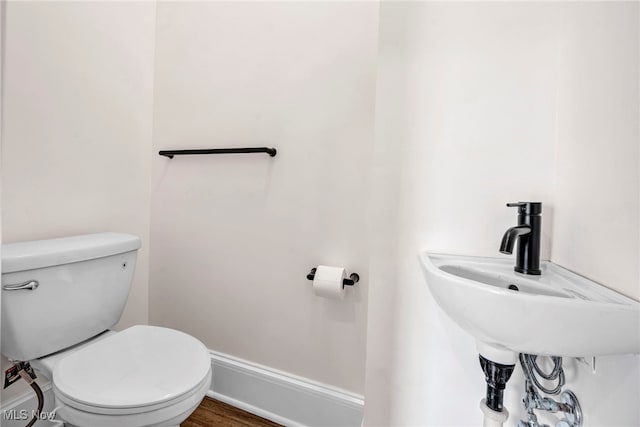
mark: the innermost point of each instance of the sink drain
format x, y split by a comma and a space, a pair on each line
513, 287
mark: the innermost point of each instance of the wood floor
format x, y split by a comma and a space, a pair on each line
215, 413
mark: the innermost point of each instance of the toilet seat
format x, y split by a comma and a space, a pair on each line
167, 416
61, 398
140, 370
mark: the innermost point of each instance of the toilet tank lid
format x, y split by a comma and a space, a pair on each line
30, 255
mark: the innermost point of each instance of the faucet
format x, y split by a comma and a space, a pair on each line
527, 233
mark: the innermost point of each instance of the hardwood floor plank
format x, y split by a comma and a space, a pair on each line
212, 412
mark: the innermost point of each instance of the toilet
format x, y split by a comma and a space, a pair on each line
60, 297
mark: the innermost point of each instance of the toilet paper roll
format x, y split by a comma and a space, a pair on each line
327, 282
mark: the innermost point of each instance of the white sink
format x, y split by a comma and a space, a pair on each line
558, 313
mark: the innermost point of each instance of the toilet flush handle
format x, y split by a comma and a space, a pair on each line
29, 284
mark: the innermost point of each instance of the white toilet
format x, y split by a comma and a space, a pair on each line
59, 299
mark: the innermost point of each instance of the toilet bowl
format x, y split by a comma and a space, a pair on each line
142, 376
60, 297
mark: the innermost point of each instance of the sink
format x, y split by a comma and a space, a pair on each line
558, 313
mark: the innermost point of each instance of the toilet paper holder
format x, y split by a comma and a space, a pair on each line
352, 280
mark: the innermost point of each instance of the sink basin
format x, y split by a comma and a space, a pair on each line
558, 313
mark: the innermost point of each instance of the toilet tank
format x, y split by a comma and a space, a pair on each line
83, 285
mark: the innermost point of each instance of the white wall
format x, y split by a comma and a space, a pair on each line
2, 37
597, 166
77, 125
474, 97
233, 237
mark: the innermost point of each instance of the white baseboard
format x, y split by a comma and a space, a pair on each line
278, 396
281, 397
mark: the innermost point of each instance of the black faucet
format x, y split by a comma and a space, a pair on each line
527, 233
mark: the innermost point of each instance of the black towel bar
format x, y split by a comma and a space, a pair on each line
170, 153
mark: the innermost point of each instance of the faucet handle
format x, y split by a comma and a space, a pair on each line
527, 208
